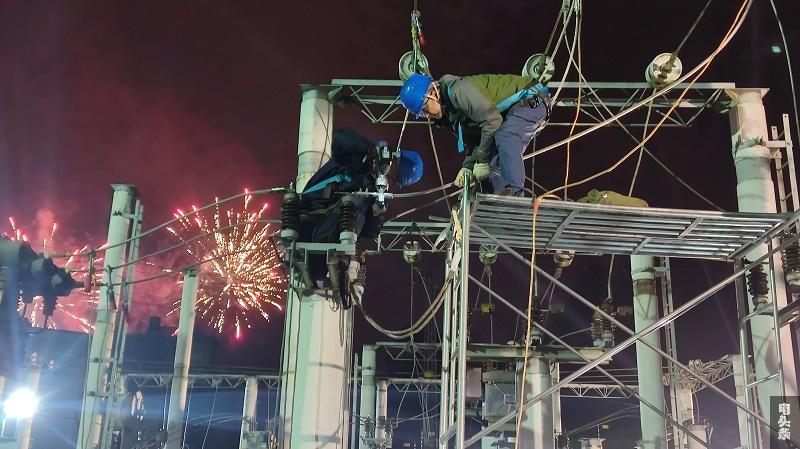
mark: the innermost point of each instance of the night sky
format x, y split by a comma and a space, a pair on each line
191, 100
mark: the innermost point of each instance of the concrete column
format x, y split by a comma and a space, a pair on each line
537, 421
756, 193
382, 412
314, 400
367, 408
555, 375
183, 355
24, 425
648, 362
94, 401
684, 414
316, 131
249, 408
698, 430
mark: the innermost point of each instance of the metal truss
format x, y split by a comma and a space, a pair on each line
379, 101
600, 229
223, 381
714, 371
395, 234
593, 229
597, 391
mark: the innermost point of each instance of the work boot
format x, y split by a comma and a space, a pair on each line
511, 191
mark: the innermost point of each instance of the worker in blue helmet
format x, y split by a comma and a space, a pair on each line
355, 166
495, 116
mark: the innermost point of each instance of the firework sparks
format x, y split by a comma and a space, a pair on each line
75, 311
242, 278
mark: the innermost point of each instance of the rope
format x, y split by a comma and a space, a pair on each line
578, 23
536, 202
436, 158
703, 68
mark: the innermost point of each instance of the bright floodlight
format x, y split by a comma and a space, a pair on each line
21, 403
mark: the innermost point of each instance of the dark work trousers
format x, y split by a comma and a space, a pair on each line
512, 138
324, 229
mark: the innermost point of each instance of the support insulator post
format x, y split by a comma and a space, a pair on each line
791, 261
290, 216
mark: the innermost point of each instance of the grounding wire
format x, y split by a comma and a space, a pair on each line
195, 238
182, 269
175, 220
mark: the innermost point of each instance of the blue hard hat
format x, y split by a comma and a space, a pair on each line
410, 168
413, 92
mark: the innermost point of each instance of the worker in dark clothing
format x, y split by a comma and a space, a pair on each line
496, 116
356, 165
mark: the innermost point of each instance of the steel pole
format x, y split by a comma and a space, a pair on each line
648, 363
743, 420
95, 389
183, 357
463, 301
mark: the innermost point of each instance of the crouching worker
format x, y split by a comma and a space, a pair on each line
356, 165
495, 116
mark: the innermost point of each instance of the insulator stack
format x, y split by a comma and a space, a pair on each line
597, 328
791, 261
290, 216
348, 218
757, 285
602, 328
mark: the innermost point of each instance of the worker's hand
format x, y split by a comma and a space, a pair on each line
462, 174
481, 171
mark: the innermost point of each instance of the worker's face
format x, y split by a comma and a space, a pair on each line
433, 106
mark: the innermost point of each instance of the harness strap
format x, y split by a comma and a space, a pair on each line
525, 94
322, 184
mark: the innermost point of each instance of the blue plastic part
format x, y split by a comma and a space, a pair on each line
410, 168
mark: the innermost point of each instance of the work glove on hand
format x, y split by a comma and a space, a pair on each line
481, 171
459, 181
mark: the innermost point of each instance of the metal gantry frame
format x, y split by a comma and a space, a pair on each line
590, 229
379, 101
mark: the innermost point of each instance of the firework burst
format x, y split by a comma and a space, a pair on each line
76, 311
242, 279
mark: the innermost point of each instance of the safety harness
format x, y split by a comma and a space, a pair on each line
534, 95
